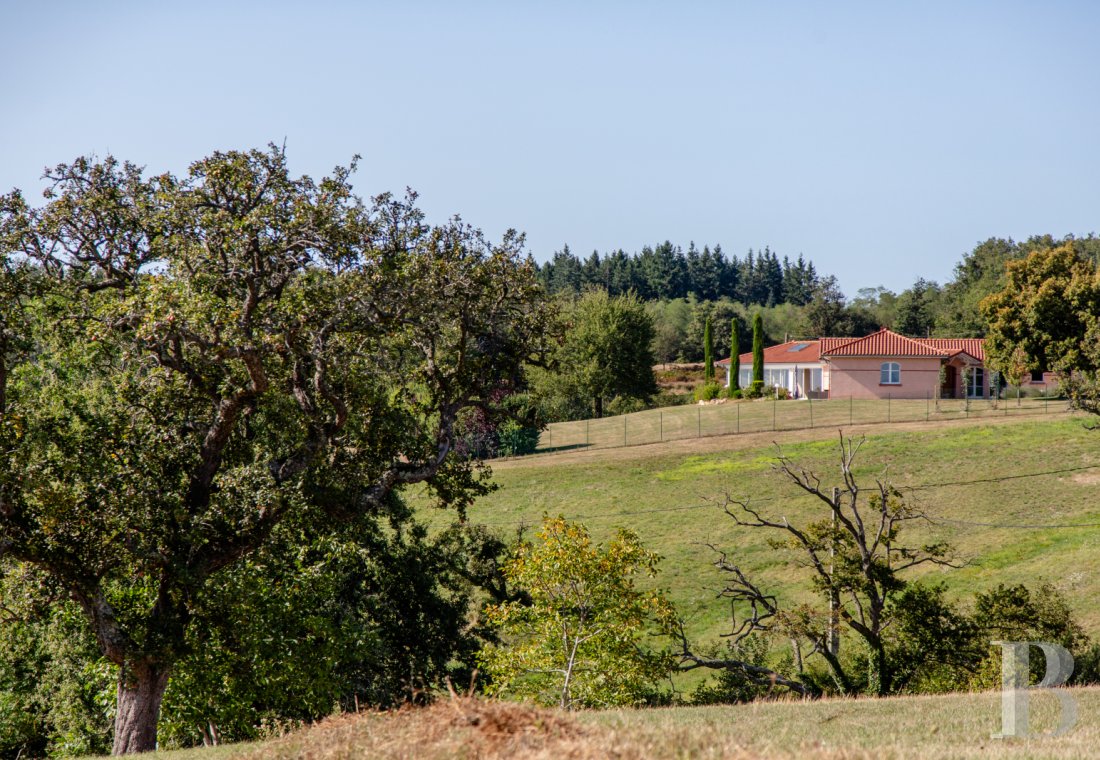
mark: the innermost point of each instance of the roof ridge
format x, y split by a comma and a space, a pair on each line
914, 341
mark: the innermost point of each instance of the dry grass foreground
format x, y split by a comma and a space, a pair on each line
950, 726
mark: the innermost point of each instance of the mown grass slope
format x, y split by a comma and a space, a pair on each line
990, 487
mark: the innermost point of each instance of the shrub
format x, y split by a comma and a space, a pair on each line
734, 686
708, 392
736, 393
671, 398
517, 440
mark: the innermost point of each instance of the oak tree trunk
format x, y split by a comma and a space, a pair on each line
140, 691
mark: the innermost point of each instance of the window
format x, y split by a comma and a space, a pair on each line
776, 377
815, 380
890, 374
744, 377
975, 383
1036, 376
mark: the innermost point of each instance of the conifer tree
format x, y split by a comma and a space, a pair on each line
757, 352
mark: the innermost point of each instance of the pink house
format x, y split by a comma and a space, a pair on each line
883, 364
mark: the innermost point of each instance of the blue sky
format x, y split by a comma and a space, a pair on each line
882, 140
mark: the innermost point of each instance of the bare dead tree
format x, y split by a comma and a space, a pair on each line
854, 557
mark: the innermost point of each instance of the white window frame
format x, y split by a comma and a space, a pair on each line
889, 373
772, 375
975, 383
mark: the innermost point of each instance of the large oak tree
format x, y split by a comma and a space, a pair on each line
186, 361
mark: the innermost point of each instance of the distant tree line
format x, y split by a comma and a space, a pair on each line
666, 271
952, 310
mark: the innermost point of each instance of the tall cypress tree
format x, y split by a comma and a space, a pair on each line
708, 353
757, 352
735, 357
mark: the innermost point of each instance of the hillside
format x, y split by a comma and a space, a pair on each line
947, 726
989, 486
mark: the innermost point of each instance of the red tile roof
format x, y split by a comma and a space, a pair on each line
792, 352
973, 346
882, 343
886, 343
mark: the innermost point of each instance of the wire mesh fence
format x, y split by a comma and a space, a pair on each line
770, 415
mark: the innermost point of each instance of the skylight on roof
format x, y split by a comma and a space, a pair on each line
798, 347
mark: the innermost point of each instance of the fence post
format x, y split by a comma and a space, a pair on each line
549, 437
738, 419
587, 437
698, 422
927, 406
850, 411
662, 423
889, 396
774, 402
810, 401
624, 430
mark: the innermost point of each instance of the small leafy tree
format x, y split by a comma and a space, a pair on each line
735, 358
1047, 312
579, 642
606, 353
757, 353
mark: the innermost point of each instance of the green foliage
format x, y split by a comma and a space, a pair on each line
606, 352
372, 615
56, 691
731, 686
665, 272
708, 392
1046, 318
757, 352
916, 309
580, 640
517, 439
933, 647
240, 346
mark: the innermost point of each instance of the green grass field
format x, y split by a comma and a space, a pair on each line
986, 483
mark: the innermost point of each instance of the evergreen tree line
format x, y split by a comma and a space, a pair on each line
666, 272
